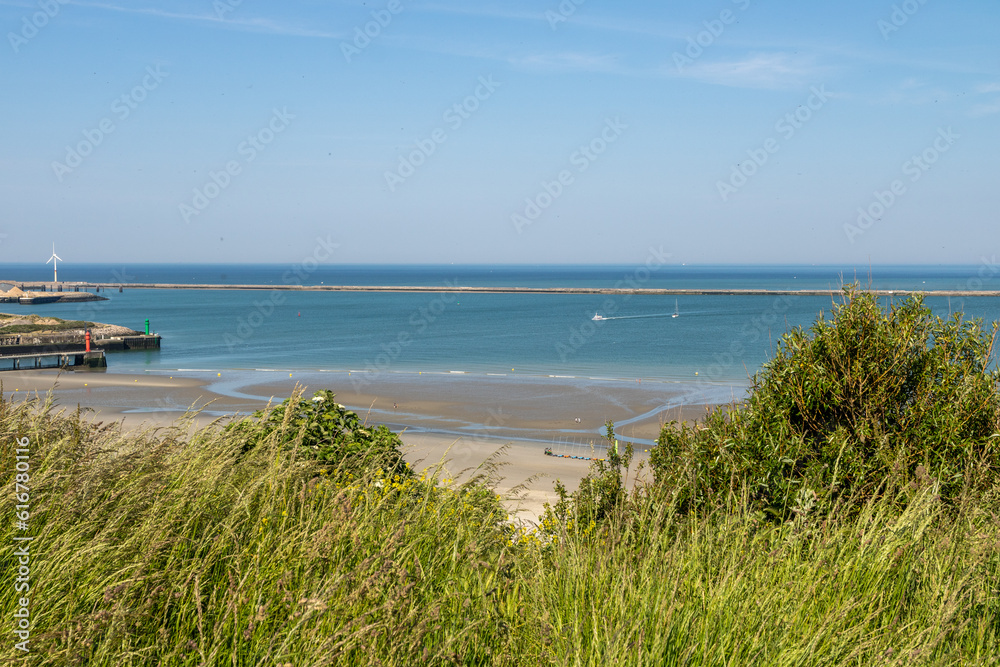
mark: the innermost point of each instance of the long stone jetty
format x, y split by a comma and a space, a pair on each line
452, 289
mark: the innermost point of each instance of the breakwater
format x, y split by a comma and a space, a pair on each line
29, 344
455, 289
35, 298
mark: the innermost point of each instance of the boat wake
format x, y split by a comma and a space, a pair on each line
636, 317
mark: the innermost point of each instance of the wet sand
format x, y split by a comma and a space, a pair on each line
518, 407
134, 400
459, 421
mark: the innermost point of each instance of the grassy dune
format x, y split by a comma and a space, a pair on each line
298, 537
185, 550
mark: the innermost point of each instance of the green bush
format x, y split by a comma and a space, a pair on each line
47, 328
872, 402
323, 430
601, 496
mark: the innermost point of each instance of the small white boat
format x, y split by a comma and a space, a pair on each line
598, 317
677, 311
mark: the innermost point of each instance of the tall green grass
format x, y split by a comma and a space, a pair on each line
918, 587
186, 548
161, 548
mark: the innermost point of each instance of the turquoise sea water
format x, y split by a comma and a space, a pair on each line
720, 339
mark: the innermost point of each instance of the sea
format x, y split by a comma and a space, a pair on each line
716, 340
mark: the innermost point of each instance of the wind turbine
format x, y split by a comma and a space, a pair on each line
55, 259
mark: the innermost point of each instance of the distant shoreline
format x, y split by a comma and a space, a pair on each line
432, 289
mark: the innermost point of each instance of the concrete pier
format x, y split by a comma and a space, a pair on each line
35, 296
75, 360
500, 290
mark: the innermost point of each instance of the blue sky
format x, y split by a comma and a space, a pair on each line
228, 131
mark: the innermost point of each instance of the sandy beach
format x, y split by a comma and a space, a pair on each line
458, 421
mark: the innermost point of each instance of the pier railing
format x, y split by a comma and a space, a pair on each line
77, 360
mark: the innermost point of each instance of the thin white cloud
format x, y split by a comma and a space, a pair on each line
581, 17
980, 110
768, 71
486, 12
758, 70
915, 92
988, 108
233, 23
649, 29
580, 62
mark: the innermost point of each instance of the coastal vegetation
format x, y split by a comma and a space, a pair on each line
858, 408
14, 324
845, 514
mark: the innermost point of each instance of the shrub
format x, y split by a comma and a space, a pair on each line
601, 495
323, 430
870, 402
46, 328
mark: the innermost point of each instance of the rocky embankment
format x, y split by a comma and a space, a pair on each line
22, 333
17, 295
